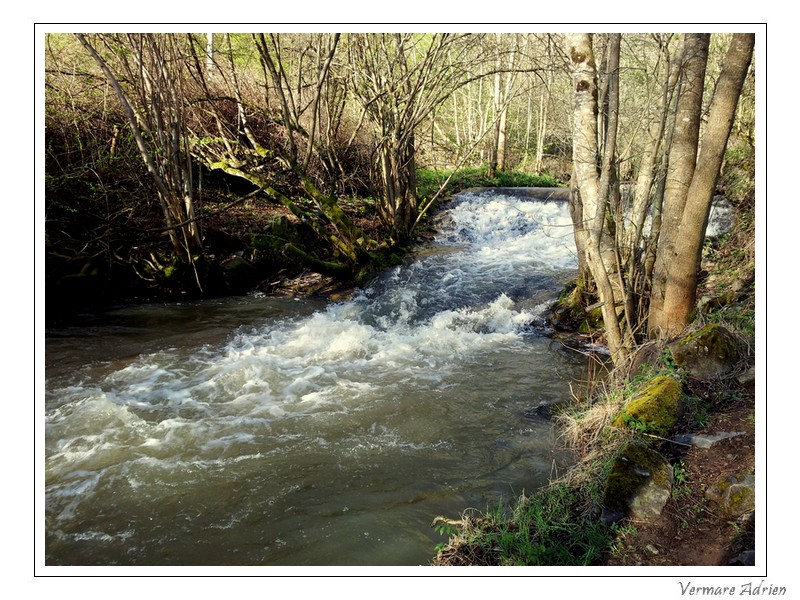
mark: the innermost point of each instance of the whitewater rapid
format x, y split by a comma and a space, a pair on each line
308, 433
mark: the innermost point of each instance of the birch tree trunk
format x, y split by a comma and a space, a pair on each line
544, 105
592, 184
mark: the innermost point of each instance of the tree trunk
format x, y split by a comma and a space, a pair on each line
209, 55
643, 191
682, 161
496, 108
585, 153
544, 106
682, 272
541, 129
501, 138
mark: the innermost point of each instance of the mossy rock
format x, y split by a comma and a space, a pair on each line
569, 312
238, 274
735, 494
655, 408
639, 485
707, 353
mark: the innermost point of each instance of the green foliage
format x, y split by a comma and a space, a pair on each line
738, 316
680, 486
548, 528
697, 411
635, 424
429, 180
664, 366
737, 181
446, 528
622, 533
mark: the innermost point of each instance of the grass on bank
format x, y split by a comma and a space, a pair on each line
560, 524
429, 180
555, 526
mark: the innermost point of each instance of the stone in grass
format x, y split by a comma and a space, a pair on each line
736, 495
638, 487
706, 440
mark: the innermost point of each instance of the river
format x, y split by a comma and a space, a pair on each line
275, 431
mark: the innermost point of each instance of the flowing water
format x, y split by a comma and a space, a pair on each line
270, 431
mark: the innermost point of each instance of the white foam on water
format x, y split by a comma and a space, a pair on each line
330, 360
506, 230
721, 218
288, 386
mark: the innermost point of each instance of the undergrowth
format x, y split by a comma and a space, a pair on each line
555, 526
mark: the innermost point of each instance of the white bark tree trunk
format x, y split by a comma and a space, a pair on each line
585, 153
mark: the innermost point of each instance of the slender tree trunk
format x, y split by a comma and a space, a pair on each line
501, 138
612, 210
455, 121
585, 155
528, 123
544, 110
322, 75
541, 130
209, 55
579, 231
643, 191
496, 108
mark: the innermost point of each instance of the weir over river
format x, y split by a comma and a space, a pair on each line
274, 431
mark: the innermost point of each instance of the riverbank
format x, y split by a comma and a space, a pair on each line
692, 530
694, 518
563, 524
251, 244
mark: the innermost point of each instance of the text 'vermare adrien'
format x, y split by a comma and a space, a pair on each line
746, 589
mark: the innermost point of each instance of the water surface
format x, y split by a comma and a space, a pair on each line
270, 431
